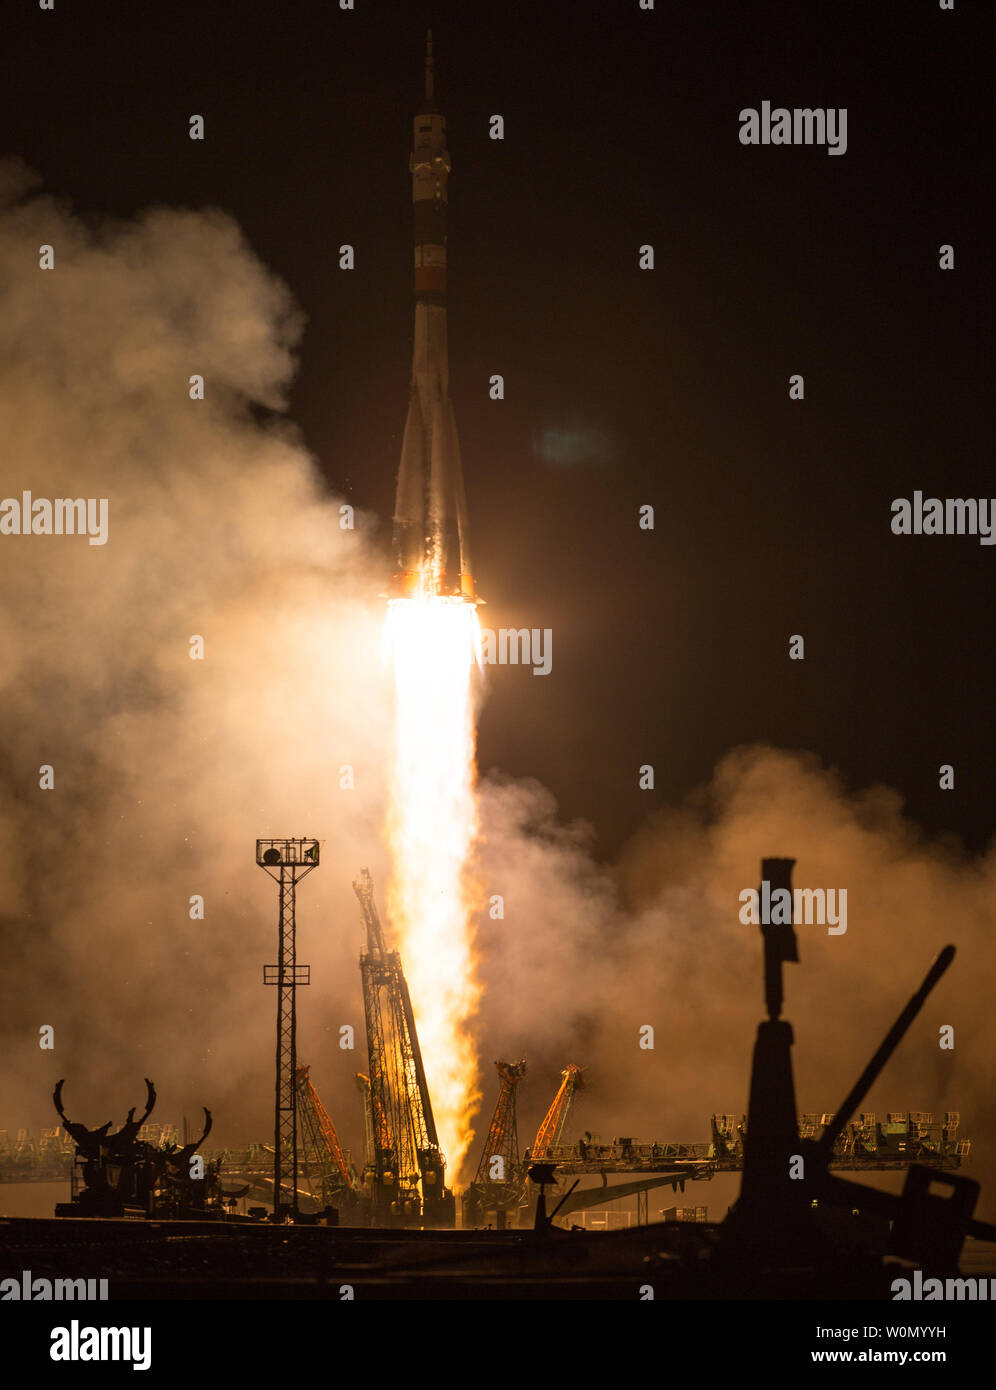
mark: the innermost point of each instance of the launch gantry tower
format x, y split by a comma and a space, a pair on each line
498, 1184
408, 1170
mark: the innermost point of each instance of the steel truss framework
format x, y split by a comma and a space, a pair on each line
287, 862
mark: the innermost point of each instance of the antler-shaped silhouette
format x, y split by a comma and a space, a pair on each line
178, 1160
177, 1155
208, 1122
131, 1126
87, 1140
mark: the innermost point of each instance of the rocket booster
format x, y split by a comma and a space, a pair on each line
431, 543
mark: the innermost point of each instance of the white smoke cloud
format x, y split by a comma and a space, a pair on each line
166, 768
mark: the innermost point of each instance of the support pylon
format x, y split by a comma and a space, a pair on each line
287, 862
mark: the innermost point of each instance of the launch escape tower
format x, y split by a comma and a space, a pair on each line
405, 1169
287, 862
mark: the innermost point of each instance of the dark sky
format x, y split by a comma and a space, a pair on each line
623, 387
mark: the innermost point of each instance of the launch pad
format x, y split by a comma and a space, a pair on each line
843, 1239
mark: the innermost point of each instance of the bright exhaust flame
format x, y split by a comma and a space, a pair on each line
433, 644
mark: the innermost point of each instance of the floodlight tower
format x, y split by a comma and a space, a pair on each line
287, 862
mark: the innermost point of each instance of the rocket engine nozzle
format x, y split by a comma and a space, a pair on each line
414, 584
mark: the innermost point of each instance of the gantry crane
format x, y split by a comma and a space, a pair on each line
498, 1184
550, 1134
408, 1171
326, 1165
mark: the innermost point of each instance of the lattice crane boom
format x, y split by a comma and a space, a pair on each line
322, 1136
550, 1134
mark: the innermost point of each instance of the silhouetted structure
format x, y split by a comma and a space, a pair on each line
497, 1185
784, 1216
122, 1173
331, 1177
286, 862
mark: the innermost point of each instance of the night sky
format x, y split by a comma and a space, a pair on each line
623, 387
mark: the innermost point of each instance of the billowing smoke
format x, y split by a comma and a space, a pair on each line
586, 956
166, 769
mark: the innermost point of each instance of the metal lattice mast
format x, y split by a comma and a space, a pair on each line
319, 1170
377, 1131
395, 1159
287, 862
369, 1152
285, 1114
323, 1153
551, 1131
406, 1144
503, 1136
498, 1185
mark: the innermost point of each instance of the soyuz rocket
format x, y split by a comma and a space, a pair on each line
431, 543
